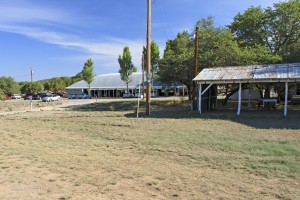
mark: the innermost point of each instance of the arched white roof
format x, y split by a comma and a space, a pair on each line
109, 81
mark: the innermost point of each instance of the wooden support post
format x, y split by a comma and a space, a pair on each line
195, 69
240, 99
148, 72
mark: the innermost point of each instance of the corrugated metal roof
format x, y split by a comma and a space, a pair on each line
253, 73
109, 81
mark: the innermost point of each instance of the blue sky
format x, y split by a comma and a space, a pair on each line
56, 37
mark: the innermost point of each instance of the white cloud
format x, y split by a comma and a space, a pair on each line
107, 48
32, 14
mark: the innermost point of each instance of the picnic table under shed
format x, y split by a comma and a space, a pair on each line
271, 73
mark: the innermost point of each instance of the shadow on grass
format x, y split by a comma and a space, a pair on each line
263, 119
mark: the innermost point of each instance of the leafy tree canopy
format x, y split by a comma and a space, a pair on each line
31, 87
177, 62
277, 28
56, 84
2, 95
154, 58
217, 47
126, 66
88, 72
134, 69
9, 86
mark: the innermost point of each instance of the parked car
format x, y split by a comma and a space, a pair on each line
128, 95
7, 97
39, 96
36, 97
63, 94
138, 95
85, 96
16, 96
51, 97
27, 96
79, 96
72, 96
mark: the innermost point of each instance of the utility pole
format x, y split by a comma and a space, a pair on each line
195, 69
148, 74
31, 74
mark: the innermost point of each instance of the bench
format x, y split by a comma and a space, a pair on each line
267, 103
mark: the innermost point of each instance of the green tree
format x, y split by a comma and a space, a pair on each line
59, 84
31, 87
9, 86
217, 47
47, 85
134, 69
2, 95
69, 80
56, 84
277, 28
88, 72
248, 27
126, 66
257, 55
177, 62
154, 58
292, 54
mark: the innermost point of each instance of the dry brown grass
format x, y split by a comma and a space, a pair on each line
95, 153
22, 105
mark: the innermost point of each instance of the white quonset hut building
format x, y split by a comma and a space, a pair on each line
111, 85
106, 85
271, 74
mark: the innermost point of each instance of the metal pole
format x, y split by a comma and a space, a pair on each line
240, 101
30, 98
148, 88
199, 97
138, 106
286, 98
31, 74
143, 76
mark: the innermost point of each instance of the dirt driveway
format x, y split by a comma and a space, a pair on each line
74, 103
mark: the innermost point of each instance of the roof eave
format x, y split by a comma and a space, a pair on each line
248, 81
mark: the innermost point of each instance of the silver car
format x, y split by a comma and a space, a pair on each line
51, 97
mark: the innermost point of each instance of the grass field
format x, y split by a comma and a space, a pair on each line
102, 151
22, 105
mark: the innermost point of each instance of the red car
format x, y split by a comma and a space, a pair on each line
8, 97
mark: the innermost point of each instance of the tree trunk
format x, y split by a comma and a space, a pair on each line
281, 92
89, 89
267, 92
231, 93
189, 86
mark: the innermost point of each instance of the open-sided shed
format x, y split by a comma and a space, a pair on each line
273, 73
